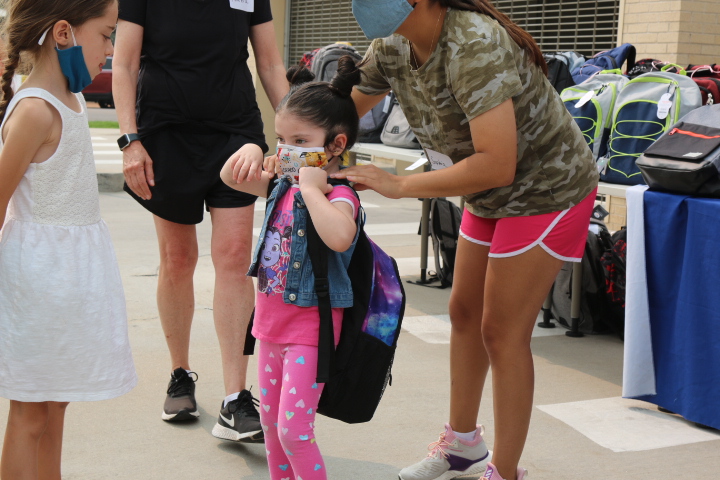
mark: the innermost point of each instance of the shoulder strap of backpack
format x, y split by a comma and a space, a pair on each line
318, 253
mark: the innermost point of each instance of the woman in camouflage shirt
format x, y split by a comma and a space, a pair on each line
472, 85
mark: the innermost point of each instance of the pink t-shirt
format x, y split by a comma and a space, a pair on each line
275, 320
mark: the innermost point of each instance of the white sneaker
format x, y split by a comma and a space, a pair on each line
450, 457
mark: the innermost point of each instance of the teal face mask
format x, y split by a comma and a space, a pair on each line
72, 64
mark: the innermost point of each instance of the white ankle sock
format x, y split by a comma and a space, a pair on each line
230, 398
465, 437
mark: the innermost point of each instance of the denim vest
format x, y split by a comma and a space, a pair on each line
300, 281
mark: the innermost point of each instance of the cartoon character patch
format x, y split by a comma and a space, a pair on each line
274, 260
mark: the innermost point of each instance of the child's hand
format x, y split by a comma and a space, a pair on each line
247, 163
272, 165
314, 177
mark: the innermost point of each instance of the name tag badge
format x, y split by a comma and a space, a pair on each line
244, 5
438, 160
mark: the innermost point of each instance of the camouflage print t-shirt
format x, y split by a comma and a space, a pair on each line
475, 67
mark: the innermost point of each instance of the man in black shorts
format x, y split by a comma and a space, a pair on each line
186, 102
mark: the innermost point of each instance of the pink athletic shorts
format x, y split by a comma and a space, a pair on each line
561, 234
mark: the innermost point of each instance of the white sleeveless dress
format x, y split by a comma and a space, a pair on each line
63, 324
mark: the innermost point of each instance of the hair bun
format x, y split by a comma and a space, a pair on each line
297, 75
346, 77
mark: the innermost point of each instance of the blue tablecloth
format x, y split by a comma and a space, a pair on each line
682, 260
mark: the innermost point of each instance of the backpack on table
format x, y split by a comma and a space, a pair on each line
645, 108
614, 262
593, 304
444, 231
709, 89
591, 105
712, 71
397, 131
608, 60
373, 122
687, 158
559, 67
356, 373
324, 62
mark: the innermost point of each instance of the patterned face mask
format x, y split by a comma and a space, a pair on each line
293, 158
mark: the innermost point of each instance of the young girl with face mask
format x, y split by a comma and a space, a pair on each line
316, 123
63, 325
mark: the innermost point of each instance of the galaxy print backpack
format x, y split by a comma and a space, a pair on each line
356, 373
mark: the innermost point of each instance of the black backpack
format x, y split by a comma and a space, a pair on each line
444, 226
356, 373
614, 261
559, 71
593, 304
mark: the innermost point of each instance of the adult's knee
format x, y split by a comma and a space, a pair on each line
232, 255
501, 339
178, 261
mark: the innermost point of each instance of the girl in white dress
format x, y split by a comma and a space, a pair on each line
63, 325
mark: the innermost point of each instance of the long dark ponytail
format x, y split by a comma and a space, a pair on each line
520, 36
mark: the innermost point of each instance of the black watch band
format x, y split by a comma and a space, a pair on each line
127, 139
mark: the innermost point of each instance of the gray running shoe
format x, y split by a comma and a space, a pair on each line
180, 404
239, 420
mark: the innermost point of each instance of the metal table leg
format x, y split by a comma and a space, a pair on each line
575, 301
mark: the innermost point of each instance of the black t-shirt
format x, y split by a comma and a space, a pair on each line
193, 65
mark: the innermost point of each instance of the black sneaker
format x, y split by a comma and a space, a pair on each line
239, 420
180, 402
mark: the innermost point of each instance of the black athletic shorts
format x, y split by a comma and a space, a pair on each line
187, 168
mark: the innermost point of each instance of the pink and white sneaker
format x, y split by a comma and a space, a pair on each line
450, 457
492, 474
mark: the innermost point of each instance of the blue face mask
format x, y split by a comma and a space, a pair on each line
72, 64
380, 18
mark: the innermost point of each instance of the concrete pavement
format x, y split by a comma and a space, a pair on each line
125, 438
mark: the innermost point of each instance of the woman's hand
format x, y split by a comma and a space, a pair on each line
138, 170
247, 163
374, 178
314, 178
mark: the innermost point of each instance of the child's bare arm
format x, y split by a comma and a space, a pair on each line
243, 171
334, 222
25, 132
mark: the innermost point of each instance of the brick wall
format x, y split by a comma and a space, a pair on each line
679, 31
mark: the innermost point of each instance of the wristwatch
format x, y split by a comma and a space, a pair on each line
127, 139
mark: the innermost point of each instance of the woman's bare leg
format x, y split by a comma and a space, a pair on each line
50, 447
26, 424
175, 293
468, 359
515, 289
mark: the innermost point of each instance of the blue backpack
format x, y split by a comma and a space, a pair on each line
356, 373
607, 60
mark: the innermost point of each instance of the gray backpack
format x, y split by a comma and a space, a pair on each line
638, 120
397, 131
593, 114
324, 63
687, 158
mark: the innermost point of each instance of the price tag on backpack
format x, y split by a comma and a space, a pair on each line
664, 106
438, 160
585, 98
388, 103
